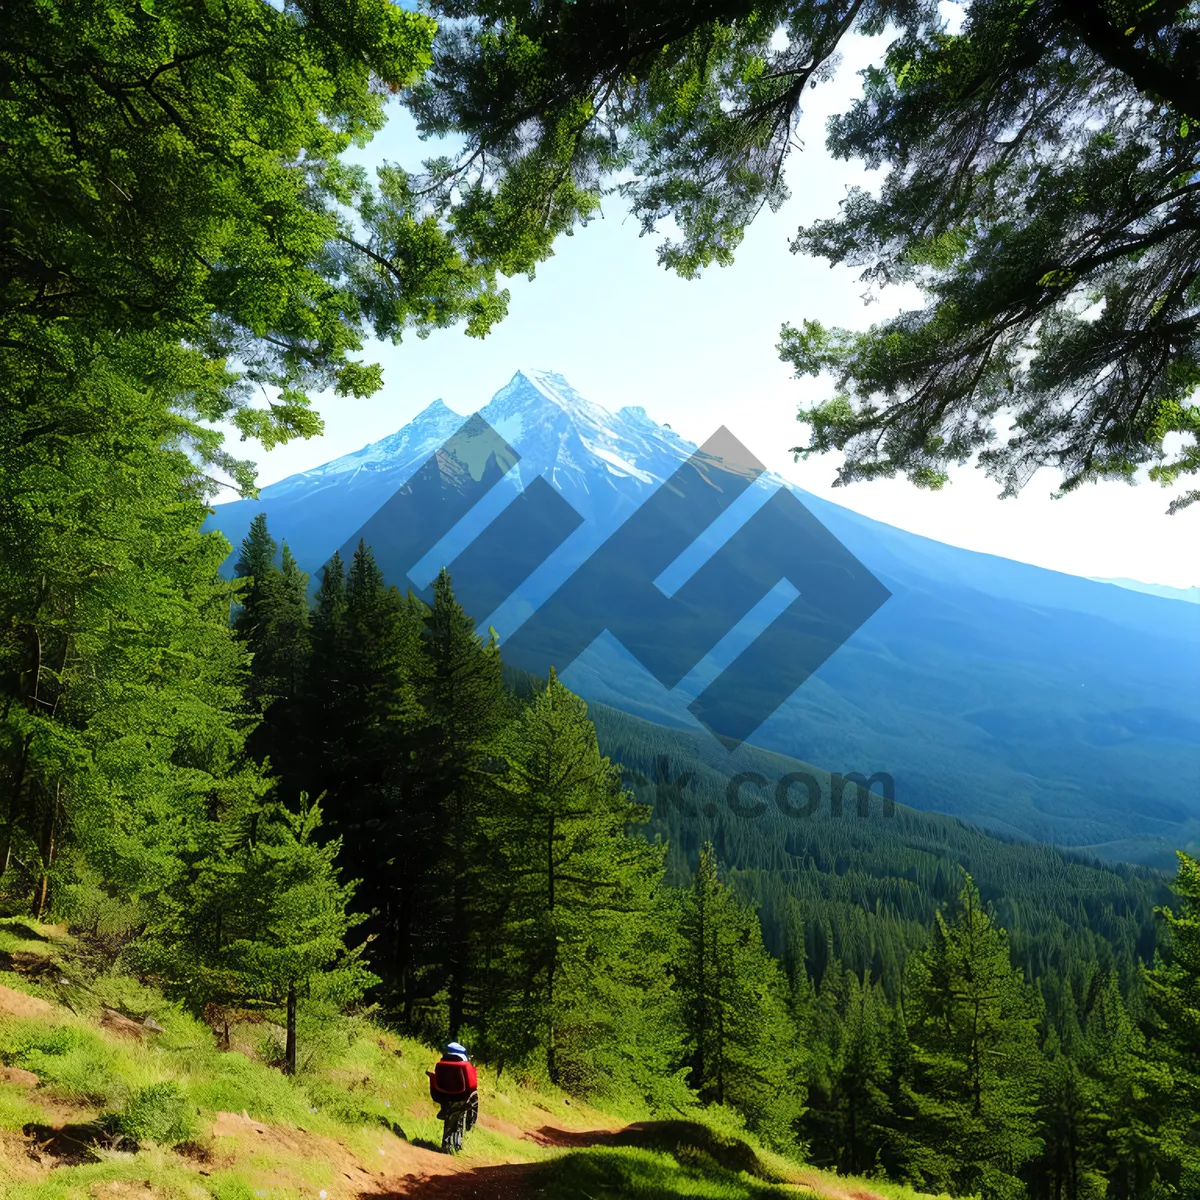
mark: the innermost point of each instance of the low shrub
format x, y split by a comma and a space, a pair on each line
160, 1113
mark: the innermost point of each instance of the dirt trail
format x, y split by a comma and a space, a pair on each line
518, 1181
18, 1004
511, 1181
416, 1170
834, 1191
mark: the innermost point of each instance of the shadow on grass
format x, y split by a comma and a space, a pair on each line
68, 1145
689, 1141
597, 1173
20, 930
24, 962
513, 1181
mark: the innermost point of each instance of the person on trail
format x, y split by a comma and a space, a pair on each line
454, 1085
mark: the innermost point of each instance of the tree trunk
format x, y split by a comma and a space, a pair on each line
551, 1058
48, 845
14, 804
289, 1052
457, 963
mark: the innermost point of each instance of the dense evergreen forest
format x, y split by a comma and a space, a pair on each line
378, 812
260, 803
864, 879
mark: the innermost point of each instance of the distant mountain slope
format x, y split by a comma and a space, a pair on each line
1190, 595
863, 879
1035, 703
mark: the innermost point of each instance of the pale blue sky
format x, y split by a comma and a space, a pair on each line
699, 354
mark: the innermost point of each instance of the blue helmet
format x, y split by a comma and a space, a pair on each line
454, 1050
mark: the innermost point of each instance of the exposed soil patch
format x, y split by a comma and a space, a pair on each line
519, 1181
833, 1191
15, 1162
498, 1125
351, 1175
124, 1189
18, 1004
512, 1181
25, 962
16, 1076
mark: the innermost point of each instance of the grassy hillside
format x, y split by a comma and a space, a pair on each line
109, 1091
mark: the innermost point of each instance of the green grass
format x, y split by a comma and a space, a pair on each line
161, 1113
167, 1177
360, 1086
605, 1174
74, 1062
641, 1173
15, 938
16, 1108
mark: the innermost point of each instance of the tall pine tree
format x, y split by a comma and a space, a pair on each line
976, 1064
272, 620
1173, 991
573, 955
739, 1035
261, 921
850, 1116
463, 705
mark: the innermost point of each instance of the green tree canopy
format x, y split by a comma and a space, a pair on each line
739, 1034
1041, 188
261, 920
1173, 989
175, 169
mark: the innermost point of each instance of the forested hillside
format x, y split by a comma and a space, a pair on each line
840, 982
859, 877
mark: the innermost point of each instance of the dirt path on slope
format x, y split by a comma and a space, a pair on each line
521, 1181
511, 1181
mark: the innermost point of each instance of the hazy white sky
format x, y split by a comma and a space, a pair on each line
701, 354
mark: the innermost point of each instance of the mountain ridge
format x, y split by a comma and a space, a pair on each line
1066, 696
1188, 595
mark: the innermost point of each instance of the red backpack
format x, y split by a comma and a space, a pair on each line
451, 1078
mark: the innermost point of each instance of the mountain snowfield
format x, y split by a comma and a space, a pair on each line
1034, 703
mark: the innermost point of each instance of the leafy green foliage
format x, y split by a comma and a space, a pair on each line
175, 170
864, 887
76, 1064
1173, 990
160, 1113
457, 685
973, 1026
263, 918
739, 1038
1040, 189
856, 1042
